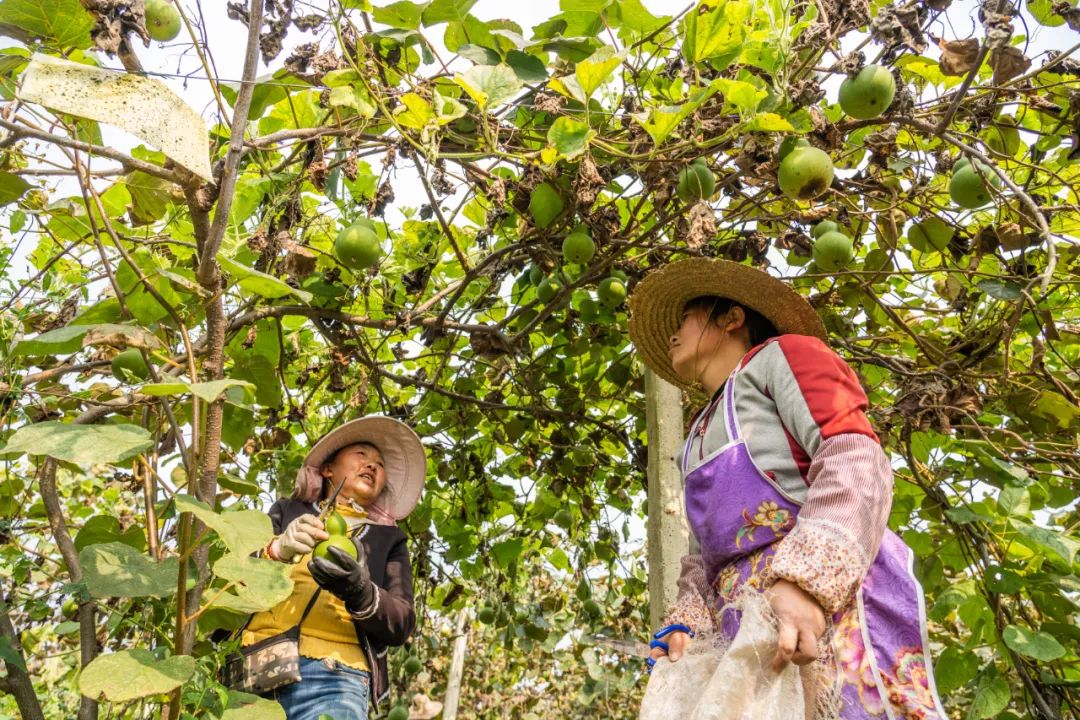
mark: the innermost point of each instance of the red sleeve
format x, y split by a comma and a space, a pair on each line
819, 389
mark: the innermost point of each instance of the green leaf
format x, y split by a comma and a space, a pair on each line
209, 391
62, 23
10, 654
1037, 645
260, 283
404, 15
12, 187
242, 706
717, 34
595, 71
79, 444
528, 68
507, 551
1054, 406
991, 698
634, 16
242, 531
132, 674
150, 196
955, 668
118, 570
106, 529
741, 95
447, 109
489, 85
660, 122
569, 137
1001, 289
258, 584
769, 122
415, 112
72, 338
440, 11
1054, 543
1043, 12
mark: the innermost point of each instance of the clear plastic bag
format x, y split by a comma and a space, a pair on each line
734, 682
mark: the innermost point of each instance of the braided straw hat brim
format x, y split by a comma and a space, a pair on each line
657, 303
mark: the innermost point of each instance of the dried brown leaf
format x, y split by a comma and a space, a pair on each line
1008, 63
958, 57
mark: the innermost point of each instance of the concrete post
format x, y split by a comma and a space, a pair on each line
668, 533
457, 668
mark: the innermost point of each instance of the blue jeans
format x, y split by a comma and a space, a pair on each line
326, 688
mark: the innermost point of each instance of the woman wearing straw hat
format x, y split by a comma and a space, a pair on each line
787, 490
348, 610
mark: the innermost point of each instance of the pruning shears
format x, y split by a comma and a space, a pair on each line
329, 502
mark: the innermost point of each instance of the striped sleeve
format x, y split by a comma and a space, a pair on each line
845, 514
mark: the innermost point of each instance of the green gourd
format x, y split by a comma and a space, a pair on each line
338, 530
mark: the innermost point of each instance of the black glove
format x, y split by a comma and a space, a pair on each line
346, 578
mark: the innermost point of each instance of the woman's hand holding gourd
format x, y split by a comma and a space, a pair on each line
801, 624
300, 537
346, 578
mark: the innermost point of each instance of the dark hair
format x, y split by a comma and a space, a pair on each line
761, 329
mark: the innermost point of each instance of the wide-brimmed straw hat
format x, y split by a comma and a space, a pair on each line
657, 303
402, 453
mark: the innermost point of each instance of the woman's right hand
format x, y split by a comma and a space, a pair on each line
677, 643
300, 537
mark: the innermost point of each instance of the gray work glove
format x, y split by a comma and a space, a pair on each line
299, 538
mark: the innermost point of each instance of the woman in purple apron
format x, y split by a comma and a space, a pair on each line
787, 489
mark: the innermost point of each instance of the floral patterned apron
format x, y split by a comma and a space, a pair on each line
738, 514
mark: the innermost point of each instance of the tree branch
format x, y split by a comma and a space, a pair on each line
207, 273
18, 682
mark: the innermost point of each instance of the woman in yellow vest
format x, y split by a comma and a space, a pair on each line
363, 605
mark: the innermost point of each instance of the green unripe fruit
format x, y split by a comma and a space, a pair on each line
961, 164
1002, 137
563, 518
335, 524
869, 93
412, 665
933, 233
823, 227
833, 251
790, 143
612, 292
400, 712
548, 288
970, 190
578, 248
536, 274
339, 541
486, 615
129, 366
696, 182
357, 246
545, 204
805, 173
162, 20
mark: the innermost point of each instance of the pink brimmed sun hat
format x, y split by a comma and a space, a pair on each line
402, 452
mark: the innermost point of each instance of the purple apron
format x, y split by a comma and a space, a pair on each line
738, 514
